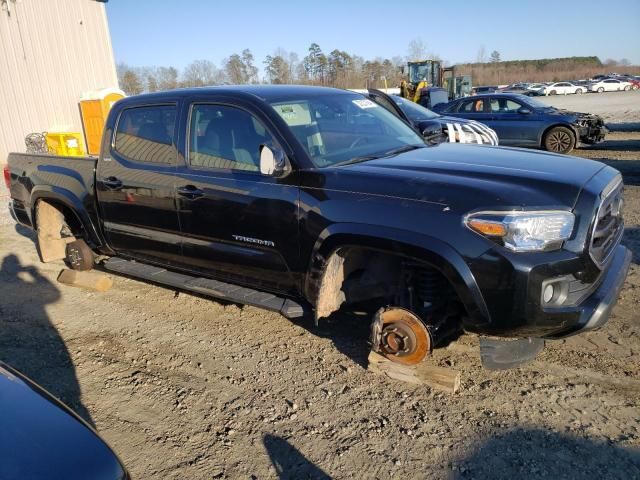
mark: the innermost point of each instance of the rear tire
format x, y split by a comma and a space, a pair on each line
79, 255
627, 88
579, 91
601, 89
559, 140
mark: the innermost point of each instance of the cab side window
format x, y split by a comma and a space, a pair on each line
502, 105
473, 106
227, 138
146, 134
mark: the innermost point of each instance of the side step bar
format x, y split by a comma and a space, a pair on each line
205, 286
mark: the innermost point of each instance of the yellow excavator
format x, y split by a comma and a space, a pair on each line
428, 83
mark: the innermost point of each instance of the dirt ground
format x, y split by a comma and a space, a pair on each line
185, 387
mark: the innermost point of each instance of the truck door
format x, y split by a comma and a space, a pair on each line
237, 224
135, 184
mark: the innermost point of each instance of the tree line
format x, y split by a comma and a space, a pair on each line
496, 72
337, 68
342, 69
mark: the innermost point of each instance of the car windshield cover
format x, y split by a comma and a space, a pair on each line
417, 113
345, 128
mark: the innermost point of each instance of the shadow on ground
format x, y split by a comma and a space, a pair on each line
348, 331
631, 240
289, 462
25, 232
534, 454
630, 169
616, 145
29, 341
624, 127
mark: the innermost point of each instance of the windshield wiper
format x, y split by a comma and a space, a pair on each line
390, 153
406, 148
363, 158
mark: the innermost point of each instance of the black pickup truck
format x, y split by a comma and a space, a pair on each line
306, 199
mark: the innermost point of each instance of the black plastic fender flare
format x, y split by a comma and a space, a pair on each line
419, 247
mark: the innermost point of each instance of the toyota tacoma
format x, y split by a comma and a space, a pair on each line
309, 200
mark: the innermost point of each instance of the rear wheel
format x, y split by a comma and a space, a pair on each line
559, 140
601, 89
79, 256
579, 91
627, 88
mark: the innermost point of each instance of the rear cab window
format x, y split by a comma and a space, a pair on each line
147, 134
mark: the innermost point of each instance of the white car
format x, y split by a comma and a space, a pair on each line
610, 85
562, 88
536, 86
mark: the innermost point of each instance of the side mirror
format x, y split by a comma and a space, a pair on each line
273, 162
524, 111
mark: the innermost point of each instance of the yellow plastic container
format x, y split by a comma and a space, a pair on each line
68, 144
94, 109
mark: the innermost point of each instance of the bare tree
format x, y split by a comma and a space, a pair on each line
495, 56
293, 66
417, 50
250, 71
167, 78
234, 69
152, 83
129, 80
200, 73
481, 56
277, 69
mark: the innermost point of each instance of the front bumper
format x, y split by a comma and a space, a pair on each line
592, 131
515, 301
595, 310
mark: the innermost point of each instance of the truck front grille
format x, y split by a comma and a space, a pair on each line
608, 224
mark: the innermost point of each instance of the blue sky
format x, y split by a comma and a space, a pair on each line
175, 32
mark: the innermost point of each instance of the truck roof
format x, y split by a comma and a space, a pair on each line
264, 92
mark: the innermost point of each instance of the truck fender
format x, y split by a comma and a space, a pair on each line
324, 265
69, 200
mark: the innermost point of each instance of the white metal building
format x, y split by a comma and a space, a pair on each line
51, 52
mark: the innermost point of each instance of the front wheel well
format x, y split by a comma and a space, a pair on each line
356, 275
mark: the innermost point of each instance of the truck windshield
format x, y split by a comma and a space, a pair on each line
342, 128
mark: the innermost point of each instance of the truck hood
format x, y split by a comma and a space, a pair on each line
463, 177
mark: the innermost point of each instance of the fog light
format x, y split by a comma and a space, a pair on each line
547, 295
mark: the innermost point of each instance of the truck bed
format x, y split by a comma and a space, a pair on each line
70, 177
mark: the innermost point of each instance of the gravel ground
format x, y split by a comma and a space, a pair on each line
186, 387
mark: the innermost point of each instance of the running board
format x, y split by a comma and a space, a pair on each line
205, 286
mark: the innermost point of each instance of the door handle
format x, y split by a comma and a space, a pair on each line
190, 191
112, 183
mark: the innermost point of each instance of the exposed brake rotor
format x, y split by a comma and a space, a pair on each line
400, 336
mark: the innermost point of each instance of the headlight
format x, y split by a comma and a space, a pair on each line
524, 231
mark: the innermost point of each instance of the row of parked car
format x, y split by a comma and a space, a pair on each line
598, 84
508, 119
